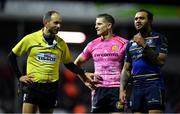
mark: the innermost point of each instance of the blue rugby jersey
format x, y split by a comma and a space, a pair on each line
143, 70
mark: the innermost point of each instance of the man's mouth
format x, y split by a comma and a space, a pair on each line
138, 25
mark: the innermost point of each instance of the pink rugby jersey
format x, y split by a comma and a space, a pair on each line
108, 56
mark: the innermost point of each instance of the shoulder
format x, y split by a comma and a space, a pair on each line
130, 43
28, 38
34, 35
95, 41
59, 39
157, 34
60, 42
121, 39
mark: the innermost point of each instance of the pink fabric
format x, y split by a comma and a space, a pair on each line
108, 57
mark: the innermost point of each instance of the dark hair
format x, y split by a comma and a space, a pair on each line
108, 17
47, 15
149, 14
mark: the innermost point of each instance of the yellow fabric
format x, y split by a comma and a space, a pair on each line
43, 62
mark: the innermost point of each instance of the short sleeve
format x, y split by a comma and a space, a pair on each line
66, 56
127, 54
163, 45
87, 53
22, 46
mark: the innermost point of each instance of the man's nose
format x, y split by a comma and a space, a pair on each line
95, 26
138, 20
59, 25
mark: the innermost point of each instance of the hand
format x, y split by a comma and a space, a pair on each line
90, 82
26, 79
123, 96
139, 40
95, 77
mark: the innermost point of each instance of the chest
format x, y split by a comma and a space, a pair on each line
42, 52
107, 51
136, 51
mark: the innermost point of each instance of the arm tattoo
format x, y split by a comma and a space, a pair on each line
125, 78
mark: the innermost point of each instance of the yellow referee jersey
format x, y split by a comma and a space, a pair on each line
43, 60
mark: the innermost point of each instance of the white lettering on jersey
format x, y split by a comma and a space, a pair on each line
46, 57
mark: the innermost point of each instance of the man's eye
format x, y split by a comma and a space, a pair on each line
142, 18
56, 22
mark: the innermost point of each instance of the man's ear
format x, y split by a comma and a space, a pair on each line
109, 25
45, 22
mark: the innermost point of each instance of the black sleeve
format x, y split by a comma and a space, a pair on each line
75, 69
150, 54
161, 47
14, 65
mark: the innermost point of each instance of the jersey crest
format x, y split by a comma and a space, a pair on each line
115, 48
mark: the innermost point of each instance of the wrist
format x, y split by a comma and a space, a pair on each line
20, 78
122, 88
144, 45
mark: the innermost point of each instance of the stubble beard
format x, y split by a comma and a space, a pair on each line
142, 30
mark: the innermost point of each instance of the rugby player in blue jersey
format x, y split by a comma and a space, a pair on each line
146, 53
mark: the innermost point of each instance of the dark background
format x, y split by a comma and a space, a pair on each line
73, 95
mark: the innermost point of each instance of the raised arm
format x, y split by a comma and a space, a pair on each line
155, 57
158, 58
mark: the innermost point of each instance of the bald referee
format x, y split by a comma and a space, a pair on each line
45, 53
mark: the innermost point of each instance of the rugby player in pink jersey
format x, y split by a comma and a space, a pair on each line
107, 52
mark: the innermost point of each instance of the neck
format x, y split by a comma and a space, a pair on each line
47, 33
145, 32
107, 36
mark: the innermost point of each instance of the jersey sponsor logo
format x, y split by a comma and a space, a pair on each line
46, 57
105, 54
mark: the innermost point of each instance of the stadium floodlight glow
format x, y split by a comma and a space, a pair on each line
72, 37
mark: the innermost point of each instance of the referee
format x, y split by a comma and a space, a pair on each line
45, 53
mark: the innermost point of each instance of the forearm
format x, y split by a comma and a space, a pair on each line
14, 65
151, 55
125, 76
75, 69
